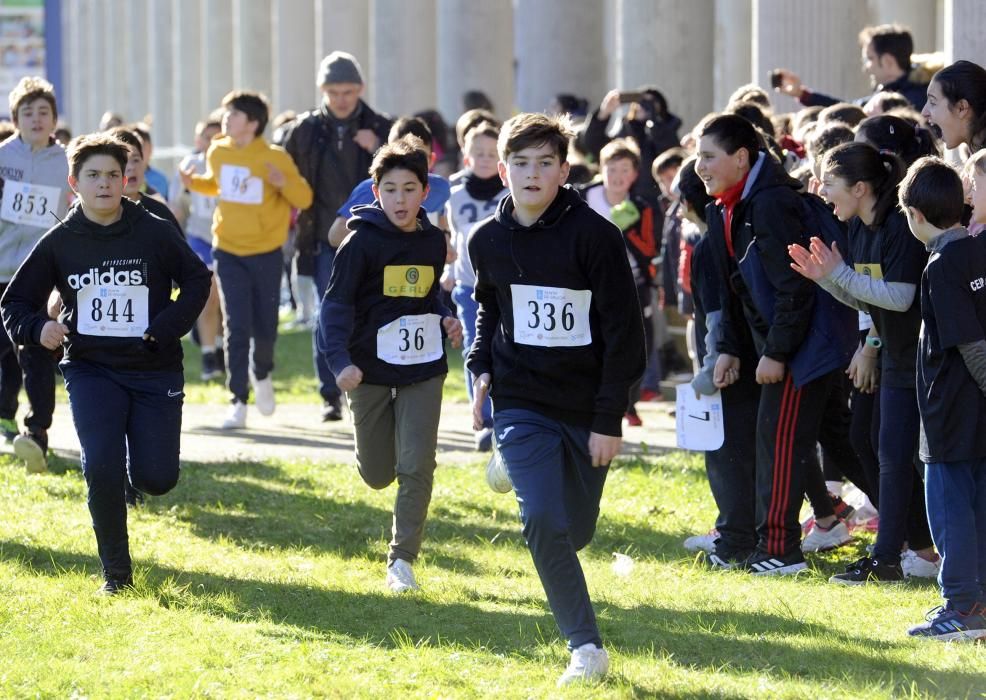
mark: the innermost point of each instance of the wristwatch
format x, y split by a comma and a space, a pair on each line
874, 342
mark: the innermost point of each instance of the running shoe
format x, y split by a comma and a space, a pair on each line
763, 564
869, 570
820, 539
915, 566
400, 577
948, 625
588, 663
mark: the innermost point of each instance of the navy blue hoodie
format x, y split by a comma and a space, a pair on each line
138, 250
569, 251
382, 275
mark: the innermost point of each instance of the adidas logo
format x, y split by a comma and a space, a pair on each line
775, 566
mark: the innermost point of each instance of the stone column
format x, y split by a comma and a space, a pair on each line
293, 49
658, 47
252, 46
115, 90
216, 73
559, 48
94, 64
402, 73
70, 106
818, 41
188, 70
919, 16
134, 68
733, 65
964, 35
159, 74
475, 52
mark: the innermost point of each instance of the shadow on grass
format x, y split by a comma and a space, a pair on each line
718, 641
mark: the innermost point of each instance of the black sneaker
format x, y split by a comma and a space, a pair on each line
210, 367
332, 411
134, 497
763, 564
32, 447
113, 586
725, 557
869, 570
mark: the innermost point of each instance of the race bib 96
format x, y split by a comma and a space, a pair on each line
551, 316
410, 340
112, 310
237, 185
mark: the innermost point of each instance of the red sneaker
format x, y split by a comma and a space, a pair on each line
633, 419
650, 395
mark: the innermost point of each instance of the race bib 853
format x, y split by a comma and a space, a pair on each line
24, 203
551, 316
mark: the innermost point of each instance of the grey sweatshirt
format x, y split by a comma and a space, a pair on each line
19, 166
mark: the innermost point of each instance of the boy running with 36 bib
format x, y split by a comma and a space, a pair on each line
559, 342
381, 330
113, 264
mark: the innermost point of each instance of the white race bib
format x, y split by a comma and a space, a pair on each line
111, 310
237, 185
551, 316
203, 207
33, 205
699, 420
410, 340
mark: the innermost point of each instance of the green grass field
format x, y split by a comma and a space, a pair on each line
266, 579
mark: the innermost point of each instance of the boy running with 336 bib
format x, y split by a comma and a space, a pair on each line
381, 330
113, 264
560, 339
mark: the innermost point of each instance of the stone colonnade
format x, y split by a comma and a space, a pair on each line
175, 59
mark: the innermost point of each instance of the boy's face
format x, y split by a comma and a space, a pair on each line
135, 174
342, 98
979, 198
36, 121
100, 184
237, 125
533, 175
619, 176
882, 67
401, 193
204, 137
719, 170
665, 178
481, 157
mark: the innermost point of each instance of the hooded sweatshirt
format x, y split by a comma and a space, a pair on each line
381, 311
252, 216
35, 185
559, 329
115, 282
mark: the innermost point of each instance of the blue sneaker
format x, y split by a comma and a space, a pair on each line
950, 625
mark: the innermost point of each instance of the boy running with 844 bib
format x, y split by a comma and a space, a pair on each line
113, 264
559, 340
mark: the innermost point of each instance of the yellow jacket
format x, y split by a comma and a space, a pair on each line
252, 216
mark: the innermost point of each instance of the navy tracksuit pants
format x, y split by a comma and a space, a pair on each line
558, 491
129, 424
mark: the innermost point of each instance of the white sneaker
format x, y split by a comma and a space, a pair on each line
588, 663
263, 395
496, 473
914, 566
236, 418
400, 577
702, 543
821, 540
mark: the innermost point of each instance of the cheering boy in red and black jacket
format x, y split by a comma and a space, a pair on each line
802, 338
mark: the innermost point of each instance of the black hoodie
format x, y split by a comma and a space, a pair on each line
114, 264
385, 278
571, 253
